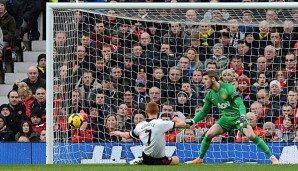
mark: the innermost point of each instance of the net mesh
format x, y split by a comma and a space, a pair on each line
105, 66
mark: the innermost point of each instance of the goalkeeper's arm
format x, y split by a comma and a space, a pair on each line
202, 114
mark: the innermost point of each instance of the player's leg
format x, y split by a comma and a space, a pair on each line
175, 160
260, 143
215, 130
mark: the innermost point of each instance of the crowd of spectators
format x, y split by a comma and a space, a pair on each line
107, 68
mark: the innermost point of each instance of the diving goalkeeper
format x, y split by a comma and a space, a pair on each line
233, 113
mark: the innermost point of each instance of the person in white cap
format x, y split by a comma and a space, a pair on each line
275, 93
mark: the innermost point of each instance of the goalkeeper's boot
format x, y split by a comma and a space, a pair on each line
274, 160
195, 161
136, 161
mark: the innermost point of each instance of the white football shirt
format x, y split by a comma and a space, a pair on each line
152, 135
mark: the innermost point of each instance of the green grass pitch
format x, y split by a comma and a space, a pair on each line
180, 167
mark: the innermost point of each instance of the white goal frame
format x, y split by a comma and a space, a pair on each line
50, 39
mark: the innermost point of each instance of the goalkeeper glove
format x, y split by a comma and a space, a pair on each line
243, 121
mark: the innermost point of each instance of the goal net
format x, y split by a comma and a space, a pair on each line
110, 60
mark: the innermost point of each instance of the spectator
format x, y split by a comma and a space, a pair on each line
276, 42
75, 102
252, 119
33, 80
289, 36
129, 69
270, 133
42, 136
39, 102
149, 50
124, 122
106, 52
100, 34
156, 35
176, 38
173, 83
170, 136
157, 80
91, 52
237, 66
87, 86
244, 90
141, 94
228, 76
137, 117
5, 133
101, 71
22, 11
288, 129
124, 34
282, 77
194, 97
197, 84
292, 101
260, 67
247, 24
26, 97
218, 57
257, 108
272, 19
270, 110
184, 65
235, 33
275, 93
167, 59
260, 84
264, 35
119, 83
291, 68
248, 56
251, 39
27, 131
273, 63
155, 95
190, 19
194, 59
37, 123
183, 104
169, 107
287, 110
189, 136
41, 65
110, 125
79, 64
7, 25
18, 111
196, 44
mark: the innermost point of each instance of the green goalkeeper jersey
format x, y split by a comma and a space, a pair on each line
226, 99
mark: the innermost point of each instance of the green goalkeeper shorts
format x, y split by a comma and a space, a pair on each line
229, 123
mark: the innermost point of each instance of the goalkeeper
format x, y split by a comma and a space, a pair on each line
233, 113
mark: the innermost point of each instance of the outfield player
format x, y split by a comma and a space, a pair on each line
233, 115
152, 135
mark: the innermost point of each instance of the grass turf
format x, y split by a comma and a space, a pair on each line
180, 167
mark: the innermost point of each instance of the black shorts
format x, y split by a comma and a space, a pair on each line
156, 161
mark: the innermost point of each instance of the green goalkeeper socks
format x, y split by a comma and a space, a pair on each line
204, 147
262, 145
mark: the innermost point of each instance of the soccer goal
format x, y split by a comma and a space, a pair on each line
102, 64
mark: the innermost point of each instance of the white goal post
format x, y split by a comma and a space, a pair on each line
87, 6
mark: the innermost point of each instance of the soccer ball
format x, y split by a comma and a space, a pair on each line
75, 120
